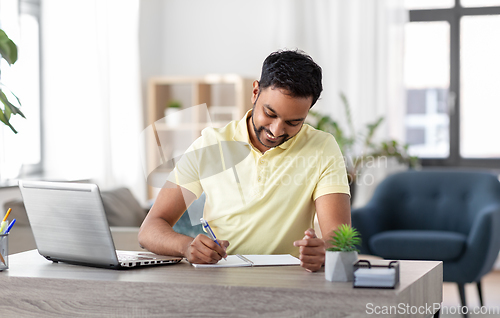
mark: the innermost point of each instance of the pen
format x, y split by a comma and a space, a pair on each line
209, 231
4, 219
10, 226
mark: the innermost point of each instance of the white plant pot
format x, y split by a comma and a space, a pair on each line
173, 116
339, 266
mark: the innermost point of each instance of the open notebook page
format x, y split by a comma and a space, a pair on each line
254, 260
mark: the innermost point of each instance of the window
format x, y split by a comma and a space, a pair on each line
21, 153
452, 75
427, 81
479, 86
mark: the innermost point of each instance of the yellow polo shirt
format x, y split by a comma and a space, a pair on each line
261, 203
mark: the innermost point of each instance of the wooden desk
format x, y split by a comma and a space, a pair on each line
35, 287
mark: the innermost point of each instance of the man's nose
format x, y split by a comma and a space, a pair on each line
277, 128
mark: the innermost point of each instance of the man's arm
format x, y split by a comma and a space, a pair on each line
156, 233
333, 210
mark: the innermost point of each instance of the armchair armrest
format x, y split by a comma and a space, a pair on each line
483, 242
368, 221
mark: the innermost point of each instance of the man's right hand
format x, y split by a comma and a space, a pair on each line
157, 236
202, 250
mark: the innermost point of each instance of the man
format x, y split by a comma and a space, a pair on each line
265, 202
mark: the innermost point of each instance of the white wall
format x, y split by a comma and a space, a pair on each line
203, 37
198, 37
217, 37
150, 45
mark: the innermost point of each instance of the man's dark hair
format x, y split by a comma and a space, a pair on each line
294, 71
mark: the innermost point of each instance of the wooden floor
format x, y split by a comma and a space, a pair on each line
491, 297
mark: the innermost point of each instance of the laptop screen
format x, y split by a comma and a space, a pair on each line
69, 222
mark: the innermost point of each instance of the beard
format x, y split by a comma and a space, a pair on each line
259, 130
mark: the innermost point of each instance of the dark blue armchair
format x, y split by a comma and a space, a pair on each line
451, 216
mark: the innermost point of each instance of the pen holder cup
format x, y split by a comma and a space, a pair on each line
4, 251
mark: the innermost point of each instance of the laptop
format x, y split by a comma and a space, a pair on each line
69, 225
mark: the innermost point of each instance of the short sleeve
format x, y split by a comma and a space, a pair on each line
333, 174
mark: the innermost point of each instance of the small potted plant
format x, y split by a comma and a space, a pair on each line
173, 115
342, 254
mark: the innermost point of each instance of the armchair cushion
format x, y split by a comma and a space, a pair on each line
418, 245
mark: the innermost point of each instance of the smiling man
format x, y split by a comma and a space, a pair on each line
264, 204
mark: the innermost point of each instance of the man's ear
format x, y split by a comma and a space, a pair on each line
255, 91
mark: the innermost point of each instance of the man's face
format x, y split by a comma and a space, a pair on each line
276, 116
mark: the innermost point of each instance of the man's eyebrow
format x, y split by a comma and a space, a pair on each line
271, 109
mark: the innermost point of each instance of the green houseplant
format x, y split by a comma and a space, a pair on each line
358, 147
174, 104
173, 116
8, 51
342, 254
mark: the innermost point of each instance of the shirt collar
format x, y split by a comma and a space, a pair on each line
241, 133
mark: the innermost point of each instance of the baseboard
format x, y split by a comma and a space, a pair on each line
497, 263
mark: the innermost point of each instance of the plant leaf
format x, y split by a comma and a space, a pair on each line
9, 105
371, 130
15, 96
7, 112
6, 121
349, 143
348, 115
345, 239
8, 48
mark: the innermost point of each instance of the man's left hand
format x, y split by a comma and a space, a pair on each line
312, 251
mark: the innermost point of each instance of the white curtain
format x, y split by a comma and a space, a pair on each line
92, 98
359, 45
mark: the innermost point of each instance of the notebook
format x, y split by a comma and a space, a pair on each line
69, 225
254, 260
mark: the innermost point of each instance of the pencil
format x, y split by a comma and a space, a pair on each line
3, 260
6, 215
2, 226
